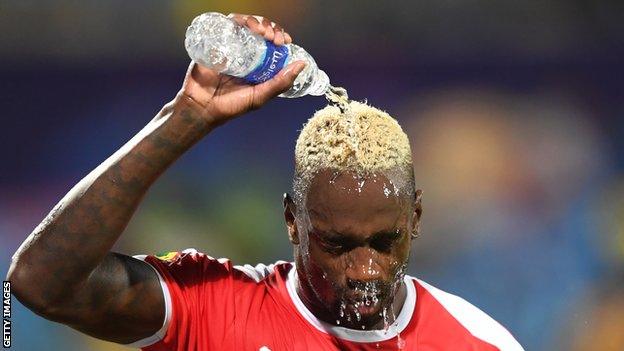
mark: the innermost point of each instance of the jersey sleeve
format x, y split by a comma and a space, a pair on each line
199, 301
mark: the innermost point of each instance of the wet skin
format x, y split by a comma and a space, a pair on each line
352, 243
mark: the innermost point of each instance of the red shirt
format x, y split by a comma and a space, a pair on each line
213, 305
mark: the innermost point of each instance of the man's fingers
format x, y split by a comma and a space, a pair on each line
263, 26
269, 33
280, 38
278, 84
287, 38
287, 76
255, 25
238, 18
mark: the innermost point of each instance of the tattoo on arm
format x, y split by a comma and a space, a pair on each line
64, 270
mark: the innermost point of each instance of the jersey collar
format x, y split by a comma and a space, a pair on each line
355, 335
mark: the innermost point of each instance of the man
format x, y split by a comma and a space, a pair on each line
351, 219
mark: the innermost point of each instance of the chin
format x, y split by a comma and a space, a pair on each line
357, 315
368, 311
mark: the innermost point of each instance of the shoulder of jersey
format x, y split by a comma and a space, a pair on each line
257, 273
477, 322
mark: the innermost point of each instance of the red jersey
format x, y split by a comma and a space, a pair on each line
211, 304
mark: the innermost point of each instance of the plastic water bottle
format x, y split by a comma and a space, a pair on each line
215, 41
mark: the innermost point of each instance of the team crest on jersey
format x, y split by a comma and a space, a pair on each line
168, 256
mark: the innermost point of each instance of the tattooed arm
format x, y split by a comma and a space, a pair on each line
65, 272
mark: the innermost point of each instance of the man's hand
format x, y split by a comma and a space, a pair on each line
219, 97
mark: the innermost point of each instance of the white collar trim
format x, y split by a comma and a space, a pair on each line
397, 327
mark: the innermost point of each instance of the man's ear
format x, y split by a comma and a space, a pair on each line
289, 216
417, 213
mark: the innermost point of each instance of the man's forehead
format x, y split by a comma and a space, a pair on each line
350, 185
344, 197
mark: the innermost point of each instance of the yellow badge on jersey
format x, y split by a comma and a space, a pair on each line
167, 256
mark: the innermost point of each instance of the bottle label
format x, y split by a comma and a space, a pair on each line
273, 62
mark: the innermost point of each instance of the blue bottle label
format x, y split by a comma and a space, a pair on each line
273, 62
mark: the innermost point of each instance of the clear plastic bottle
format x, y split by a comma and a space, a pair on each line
215, 41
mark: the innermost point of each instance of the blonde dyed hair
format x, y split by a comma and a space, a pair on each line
363, 139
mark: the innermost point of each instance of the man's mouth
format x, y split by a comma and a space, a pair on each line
368, 307
365, 298
364, 302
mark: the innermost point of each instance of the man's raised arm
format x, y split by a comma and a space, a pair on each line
64, 270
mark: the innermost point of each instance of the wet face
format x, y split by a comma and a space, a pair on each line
352, 244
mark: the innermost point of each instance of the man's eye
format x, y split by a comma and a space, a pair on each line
333, 247
385, 242
382, 245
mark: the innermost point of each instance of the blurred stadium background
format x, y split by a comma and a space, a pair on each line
514, 109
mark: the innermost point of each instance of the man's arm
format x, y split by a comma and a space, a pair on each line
65, 271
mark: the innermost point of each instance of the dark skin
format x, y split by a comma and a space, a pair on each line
353, 234
65, 271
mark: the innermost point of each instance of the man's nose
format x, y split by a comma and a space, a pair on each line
362, 266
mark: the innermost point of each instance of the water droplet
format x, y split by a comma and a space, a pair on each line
386, 191
335, 176
400, 342
385, 319
361, 185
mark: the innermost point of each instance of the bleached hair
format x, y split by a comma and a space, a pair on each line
363, 139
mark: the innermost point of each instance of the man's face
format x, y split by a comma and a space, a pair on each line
355, 236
